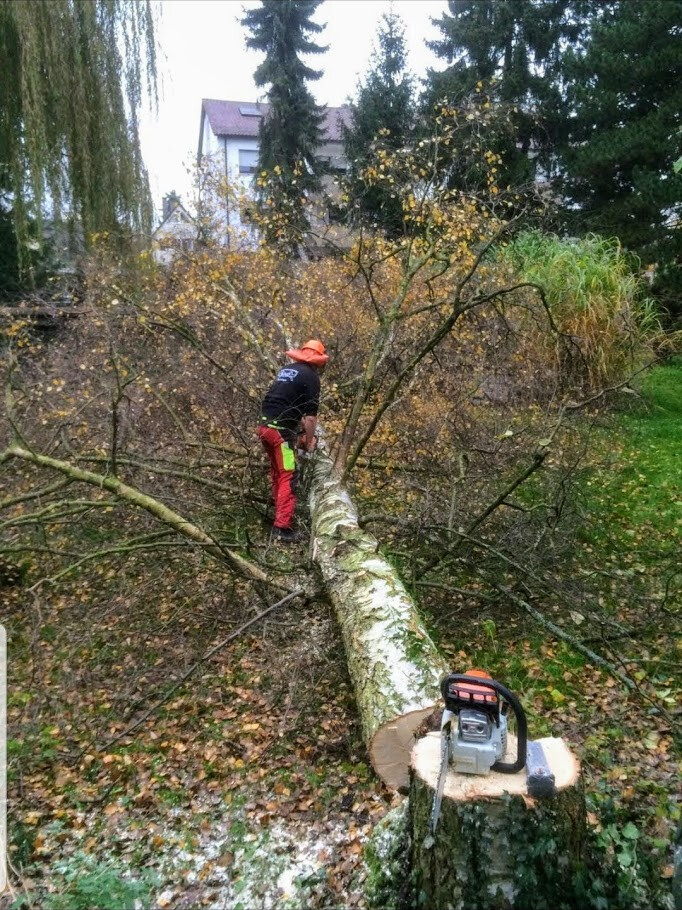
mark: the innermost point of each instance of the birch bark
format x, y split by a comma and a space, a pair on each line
393, 663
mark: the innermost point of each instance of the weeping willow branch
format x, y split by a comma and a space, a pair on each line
72, 77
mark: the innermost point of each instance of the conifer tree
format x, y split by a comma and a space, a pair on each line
626, 97
384, 104
514, 49
292, 132
72, 76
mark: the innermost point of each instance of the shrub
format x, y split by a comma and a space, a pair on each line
594, 297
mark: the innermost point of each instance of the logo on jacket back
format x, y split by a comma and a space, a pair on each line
287, 375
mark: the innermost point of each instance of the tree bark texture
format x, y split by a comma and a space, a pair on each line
393, 663
495, 846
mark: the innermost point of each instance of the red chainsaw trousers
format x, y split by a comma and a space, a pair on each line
282, 474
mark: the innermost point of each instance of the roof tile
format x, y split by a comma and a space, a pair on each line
226, 118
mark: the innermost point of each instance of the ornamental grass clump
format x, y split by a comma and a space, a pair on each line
595, 299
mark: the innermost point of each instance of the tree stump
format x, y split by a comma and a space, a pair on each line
495, 846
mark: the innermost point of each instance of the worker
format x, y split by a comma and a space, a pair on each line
289, 421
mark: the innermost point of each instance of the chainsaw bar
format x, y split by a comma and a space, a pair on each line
445, 730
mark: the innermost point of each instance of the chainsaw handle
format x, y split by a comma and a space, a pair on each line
517, 708
521, 733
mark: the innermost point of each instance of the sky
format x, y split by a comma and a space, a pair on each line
203, 55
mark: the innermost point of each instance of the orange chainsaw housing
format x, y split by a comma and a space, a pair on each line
472, 693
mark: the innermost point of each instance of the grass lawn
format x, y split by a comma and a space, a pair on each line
641, 498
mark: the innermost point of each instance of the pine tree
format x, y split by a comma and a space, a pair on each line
626, 93
384, 102
72, 77
292, 132
514, 48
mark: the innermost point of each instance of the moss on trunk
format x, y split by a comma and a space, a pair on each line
509, 852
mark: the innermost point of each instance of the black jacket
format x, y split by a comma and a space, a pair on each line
293, 395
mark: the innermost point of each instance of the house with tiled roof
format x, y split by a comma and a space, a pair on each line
228, 135
177, 231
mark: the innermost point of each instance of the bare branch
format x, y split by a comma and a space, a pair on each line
164, 514
577, 405
558, 632
49, 515
34, 494
155, 469
144, 542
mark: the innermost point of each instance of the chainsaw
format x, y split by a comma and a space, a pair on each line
474, 736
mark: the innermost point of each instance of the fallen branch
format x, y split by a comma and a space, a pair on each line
34, 494
46, 311
145, 542
501, 499
558, 632
544, 582
49, 515
577, 405
237, 563
151, 469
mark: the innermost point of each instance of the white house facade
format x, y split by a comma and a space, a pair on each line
228, 136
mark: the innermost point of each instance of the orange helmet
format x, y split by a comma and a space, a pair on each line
311, 352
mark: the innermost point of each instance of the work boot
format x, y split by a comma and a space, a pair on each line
286, 535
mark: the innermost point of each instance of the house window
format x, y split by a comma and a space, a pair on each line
250, 110
336, 214
248, 161
332, 164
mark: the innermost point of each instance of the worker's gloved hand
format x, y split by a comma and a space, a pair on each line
301, 445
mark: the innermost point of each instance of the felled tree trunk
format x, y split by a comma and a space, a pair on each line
495, 847
393, 663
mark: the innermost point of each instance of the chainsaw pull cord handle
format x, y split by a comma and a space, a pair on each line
512, 700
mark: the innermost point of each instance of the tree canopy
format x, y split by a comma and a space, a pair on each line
384, 103
72, 77
515, 49
292, 132
593, 92
625, 94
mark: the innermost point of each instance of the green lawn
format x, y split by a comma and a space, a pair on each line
643, 494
